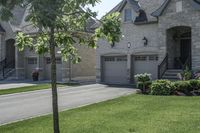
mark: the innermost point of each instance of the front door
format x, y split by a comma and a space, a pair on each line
185, 52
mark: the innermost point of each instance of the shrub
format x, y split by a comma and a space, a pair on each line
162, 87
186, 74
195, 84
183, 86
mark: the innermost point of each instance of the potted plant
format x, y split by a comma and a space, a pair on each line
35, 75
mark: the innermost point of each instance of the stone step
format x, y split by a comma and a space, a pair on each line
172, 74
174, 71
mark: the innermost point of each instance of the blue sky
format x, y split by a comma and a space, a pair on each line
105, 6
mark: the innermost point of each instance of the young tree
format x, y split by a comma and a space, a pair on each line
61, 24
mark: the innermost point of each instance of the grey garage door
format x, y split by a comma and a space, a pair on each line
31, 65
58, 68
146, 64
115, 70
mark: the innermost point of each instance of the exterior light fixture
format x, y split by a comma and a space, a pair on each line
112, 44
59, 52
145, 41
128, 45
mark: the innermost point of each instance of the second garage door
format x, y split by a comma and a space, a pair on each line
58, 68
115, 70
146, 64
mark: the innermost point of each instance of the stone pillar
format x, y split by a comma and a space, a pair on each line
162, 42
196, 48
129, 78
19, 64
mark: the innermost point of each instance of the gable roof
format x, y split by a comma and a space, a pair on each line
160, 10
196, 4
134, 3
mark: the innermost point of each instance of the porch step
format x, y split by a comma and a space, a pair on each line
12, 75
172, 74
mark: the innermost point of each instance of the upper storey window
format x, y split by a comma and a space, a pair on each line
128, 15
179, 6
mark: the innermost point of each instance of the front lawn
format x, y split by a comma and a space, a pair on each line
131, 114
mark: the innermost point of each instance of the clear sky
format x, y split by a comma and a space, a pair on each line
105, 6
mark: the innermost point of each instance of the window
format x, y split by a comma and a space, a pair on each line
32, 61
179, 6
141, 58
127, 15
58, 60
153, 58
109, 59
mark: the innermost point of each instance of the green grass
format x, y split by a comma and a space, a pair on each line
131, 114
30, 88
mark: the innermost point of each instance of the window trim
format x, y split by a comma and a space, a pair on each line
32, 60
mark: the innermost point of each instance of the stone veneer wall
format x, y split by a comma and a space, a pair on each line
188, 17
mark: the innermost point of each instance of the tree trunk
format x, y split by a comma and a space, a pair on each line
53, 83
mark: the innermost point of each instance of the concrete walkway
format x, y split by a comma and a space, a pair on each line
32, 104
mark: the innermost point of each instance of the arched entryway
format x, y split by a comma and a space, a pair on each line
179, 47
10, 53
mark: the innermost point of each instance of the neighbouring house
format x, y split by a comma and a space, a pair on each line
20, 65
160, 37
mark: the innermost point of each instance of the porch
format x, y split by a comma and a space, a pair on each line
178, 52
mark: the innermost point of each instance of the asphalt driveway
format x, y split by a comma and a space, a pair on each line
32, 104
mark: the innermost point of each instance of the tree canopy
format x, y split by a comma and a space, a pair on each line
68, 18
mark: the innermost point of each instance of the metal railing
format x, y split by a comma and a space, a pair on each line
6, 67
163, 67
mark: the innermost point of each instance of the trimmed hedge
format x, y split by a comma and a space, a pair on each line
162, 87
195, 84
166, 87
183, 86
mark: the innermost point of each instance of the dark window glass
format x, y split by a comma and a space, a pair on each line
58, 60
32, 61
141, 58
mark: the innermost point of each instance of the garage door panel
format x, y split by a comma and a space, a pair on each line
146, 64
58, 69
115, 70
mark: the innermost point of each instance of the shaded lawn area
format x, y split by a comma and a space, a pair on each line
130, 114
31, 88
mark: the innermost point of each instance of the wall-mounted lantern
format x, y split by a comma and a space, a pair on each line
112, 44
129, 45
145, 41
